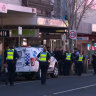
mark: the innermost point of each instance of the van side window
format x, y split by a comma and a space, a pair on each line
34, 54
19, 53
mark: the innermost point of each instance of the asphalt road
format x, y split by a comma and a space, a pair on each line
62, 86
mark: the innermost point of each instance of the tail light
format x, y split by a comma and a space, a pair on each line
32, 60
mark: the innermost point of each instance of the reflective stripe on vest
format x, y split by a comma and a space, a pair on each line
68, 56
80, 58
43, 56
10, 54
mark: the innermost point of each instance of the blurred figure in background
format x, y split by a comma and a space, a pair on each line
0, 65
60, 61
56, 53
94, 61
75, 55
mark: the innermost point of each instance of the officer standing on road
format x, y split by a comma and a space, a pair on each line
10, 58
43, 64
67, 63
79, 64
94, 61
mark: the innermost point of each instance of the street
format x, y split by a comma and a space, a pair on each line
62, 86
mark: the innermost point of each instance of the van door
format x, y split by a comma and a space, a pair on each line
20, 61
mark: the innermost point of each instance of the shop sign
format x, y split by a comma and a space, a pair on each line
19, 30
4, 33
51, 22
27, 32
82, 38
60, 31
3, 8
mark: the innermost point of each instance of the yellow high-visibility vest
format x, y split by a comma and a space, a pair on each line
43, 56
80, 58
10, 54
68, 56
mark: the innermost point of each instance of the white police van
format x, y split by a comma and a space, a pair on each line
27, 62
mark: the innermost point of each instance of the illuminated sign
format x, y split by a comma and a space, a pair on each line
3, 8
4, 33
51, 22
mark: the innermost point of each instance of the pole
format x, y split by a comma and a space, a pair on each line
19, 33
19, 41
2, 38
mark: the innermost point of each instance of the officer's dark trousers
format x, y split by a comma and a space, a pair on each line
11, 71
60, 66
44, 68
79, 68
67, 67
94, 67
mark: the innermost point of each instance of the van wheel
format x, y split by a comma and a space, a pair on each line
55, 72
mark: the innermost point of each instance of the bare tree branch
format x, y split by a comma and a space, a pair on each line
75, 11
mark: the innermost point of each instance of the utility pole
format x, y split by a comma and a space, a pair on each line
19, 33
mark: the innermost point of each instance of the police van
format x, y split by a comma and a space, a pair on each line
27, 62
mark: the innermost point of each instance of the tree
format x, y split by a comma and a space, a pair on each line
75, 11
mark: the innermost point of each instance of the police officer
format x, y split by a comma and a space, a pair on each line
43, 64
79, 64
94, 61
75, 56
10, 58
67, 62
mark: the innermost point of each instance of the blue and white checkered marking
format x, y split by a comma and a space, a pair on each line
27, 58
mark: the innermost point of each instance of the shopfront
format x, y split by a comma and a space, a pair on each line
31, 24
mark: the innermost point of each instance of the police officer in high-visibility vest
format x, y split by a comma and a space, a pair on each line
44, 57
10, 58
79, 65
67, 62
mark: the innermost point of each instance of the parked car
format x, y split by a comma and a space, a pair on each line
27, 63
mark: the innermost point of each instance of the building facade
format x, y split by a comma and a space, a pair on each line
33, 15
16, 2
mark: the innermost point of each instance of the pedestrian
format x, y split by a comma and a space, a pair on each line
79, 64
94, 61
60, 62
67, 63
0, 66
48, 49
75, 55
43, 64
56, 53
10, 58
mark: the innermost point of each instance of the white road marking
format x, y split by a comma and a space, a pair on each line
70, 90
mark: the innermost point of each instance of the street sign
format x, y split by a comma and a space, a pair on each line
60, 31
3, 8
63, 37
72, 34
4, 33
19, 30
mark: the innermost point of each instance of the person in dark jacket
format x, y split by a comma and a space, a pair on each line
75, 56
43, 64
56, 53
94, 61
60, 62
10, 58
